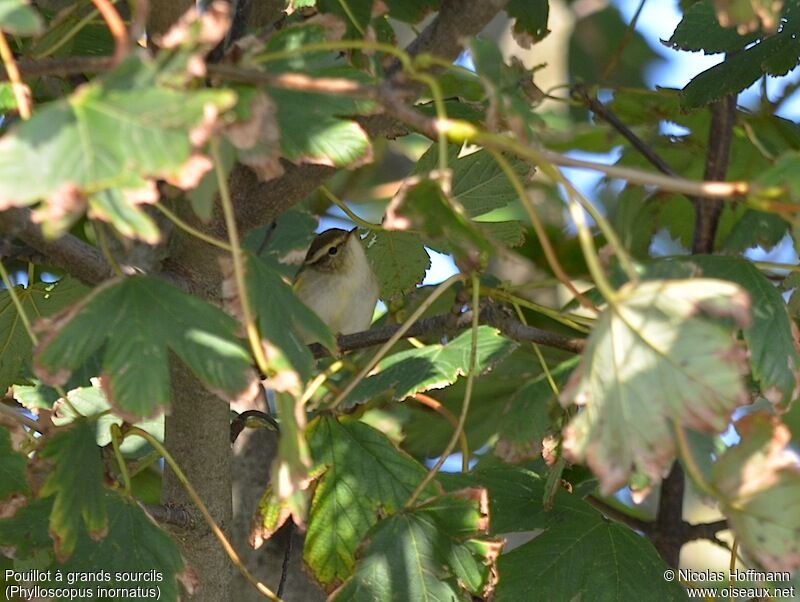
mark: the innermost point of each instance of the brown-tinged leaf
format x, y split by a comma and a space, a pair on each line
758, 481
664, 354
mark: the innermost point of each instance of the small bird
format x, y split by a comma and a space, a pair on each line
337, 282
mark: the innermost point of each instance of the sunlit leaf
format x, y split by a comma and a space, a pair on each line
139, 320
364, 472
433, 366
664, 354
18, 18
759, 481
107, 134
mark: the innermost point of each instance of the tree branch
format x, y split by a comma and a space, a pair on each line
442, 324
667, 538
708, 210
69, 253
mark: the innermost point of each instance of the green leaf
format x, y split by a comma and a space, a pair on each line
115, 134
423, 205
525, 419
700, 30
774, 360
588, 556
782, 179
756, 229
40, 299
510, 234
530, 20
399, 260
775, 55
759, 482
135, 553
18, 18
76, 481
92, 403
283, 319
663, 354
748, 15
424, 555
314, 127
432, 366
25, 533
126, 215
504, 86
478, 182
12, 468
139, 320
571, 556
364, 474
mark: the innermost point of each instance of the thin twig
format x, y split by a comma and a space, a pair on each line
626, 38
20, 90
253, 337
440, 409
193, 231
436, 326
20, 417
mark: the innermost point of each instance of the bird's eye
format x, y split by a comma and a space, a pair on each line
333, 250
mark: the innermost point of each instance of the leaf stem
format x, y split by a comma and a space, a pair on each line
20, 417
238, 264
441, 409
347, 11
473, 354
590, 253
116, 440
18, 305
226, 545
384, 349
18, 87
100, 234
192, 231
502, 295
347, 211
